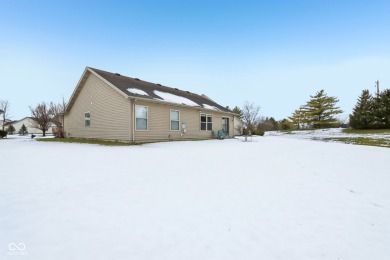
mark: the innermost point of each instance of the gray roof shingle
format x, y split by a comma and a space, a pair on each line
123, 83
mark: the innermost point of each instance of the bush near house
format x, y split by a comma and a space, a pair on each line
3, 133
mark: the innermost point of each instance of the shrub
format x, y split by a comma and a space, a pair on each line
3, 134
258, 132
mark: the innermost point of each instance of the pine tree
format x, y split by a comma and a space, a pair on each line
11, 129
238, 111
362, 116
298, 117
382, 109
321, 109
285, 124
23, 130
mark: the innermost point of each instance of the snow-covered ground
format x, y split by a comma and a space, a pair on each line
272, 198
324, 133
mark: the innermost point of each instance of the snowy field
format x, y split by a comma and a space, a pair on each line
322, 134
277, 197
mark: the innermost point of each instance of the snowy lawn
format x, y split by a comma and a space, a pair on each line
272, 198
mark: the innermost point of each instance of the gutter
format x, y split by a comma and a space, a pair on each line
132, 118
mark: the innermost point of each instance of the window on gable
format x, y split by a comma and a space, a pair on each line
206, 122
141, 118
175, 118
87, 119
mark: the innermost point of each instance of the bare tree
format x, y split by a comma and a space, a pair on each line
250, 115
42, 117
57, 116
4, 106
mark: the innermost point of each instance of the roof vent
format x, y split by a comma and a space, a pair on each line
176, 88
158, 84
136, 78
188, 92
117, 74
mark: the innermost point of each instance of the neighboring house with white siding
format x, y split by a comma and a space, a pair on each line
29, 122
110, 106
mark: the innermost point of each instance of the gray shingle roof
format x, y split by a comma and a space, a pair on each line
152, 91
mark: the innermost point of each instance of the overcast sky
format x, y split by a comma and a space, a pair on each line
273, 53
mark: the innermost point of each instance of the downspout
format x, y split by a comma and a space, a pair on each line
233, 127
133, 121
130, 134
63, 125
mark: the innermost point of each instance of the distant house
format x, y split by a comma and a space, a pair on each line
29, 122
1, 121
5, 122
110, 106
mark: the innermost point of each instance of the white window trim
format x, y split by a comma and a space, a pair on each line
147, 118
85, 119
200, 121
170, 120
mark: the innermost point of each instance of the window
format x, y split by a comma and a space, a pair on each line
141, 118
206, 122
87, 119
175, 118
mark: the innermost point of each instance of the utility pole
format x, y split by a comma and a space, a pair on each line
377, 88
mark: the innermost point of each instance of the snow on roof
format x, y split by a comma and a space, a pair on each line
174, 98
210, 107
137, 91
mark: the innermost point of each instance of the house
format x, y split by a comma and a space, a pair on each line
4, 123
1, 121
29, 122
111, 106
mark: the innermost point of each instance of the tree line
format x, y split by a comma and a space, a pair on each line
319, 112
371, 112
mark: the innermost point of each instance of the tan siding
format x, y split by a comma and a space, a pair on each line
110, 112
159, 123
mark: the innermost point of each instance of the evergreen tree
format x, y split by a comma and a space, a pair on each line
23, 130
298, 117
238, 111
11, 129
362, 116
275, 124
285, 124
382, 109
321, 109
